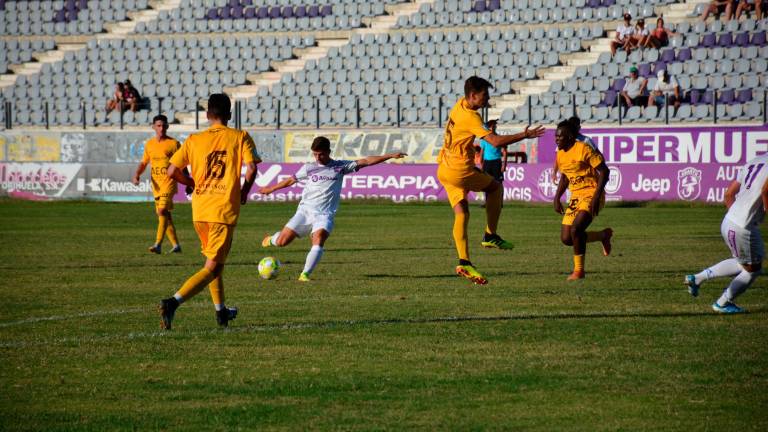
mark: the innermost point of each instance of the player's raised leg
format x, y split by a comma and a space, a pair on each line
281, 238
729, 267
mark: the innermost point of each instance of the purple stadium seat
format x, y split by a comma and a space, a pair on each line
609, 99
233, 3
213, 13
274, 12
744, 96
326, 10
607, 3
708, 40
263, 12
726, 40
60, 16
668, 55
225, 12
82, 4
494, 5
249, 13
658, 66
707, 97
2, 4
237, 12
287, 11
644, 70
479, 6
246, 2
313, 11
593, 3
742, 39
300, 12
758, 38
727, 97
695, 96
618, 84
684, 55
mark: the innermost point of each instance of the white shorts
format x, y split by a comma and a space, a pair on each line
304, 222
746, 244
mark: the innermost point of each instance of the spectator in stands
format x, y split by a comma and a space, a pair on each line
718, 7
623, 35
660, 35
117, 97
131, 95
748, 5
666, 86
633, 93
641, 35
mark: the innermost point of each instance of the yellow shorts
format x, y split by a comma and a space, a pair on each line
164, 202
580, 203
215, 240
458, 183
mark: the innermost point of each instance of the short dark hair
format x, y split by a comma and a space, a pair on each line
475, 84
567, 126
575, 121
161, 118
321, 144
219, 106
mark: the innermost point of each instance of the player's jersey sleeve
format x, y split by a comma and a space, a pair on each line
249, 150
592, 156
180, 159
349, 166
302, 173
473, 123
145, 156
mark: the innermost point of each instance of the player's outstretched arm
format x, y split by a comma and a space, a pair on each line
602, 179
730, 193
266, 190
177, 174
250, 176
505, 140
561, 187
139, 171
373, 160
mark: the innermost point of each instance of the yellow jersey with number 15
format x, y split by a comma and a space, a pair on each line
464, 125
215, 157
158, 155
578, 164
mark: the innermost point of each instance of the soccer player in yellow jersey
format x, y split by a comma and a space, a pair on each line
215, 157
458, 174
583, 172
157, 152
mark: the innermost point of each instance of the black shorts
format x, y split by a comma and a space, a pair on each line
493, 169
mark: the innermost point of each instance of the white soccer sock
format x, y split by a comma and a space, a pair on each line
178, 298
273, 239
729, 267
738, 285
313, 257
218, 307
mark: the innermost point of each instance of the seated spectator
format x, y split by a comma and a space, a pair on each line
748, 5
623, 35
633, 93
666, 86
641, 36
660, 35
719, 7
131, 96
117, 97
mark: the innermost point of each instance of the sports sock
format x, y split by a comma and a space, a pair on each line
738, 285
170, 231
313, 257
162, 223
460, 222
595, 236
493, 210
273, 239
729, 267
194, 284
578, 263
216, 287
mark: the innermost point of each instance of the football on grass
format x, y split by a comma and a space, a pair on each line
269, 267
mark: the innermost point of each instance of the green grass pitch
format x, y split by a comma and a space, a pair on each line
385, 337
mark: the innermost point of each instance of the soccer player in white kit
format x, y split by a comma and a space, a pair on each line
747, 202
319, 201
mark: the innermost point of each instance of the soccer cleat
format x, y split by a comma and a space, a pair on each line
167, 309
576, 275
267, 242
304, 277
155, 249
607, 242
729, 308
176, 249
471, 273
224, 316
494, 241
693, 287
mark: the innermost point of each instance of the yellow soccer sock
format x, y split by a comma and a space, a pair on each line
216, 287
460, 222
595, 236
493, 210
170, 231
162, 223
578, 263
195, 284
